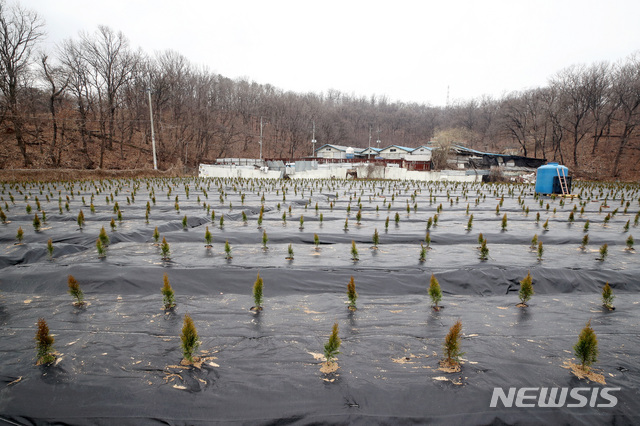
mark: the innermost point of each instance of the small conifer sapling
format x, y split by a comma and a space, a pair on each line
156, 235
227, 249
586, 349
164, 247
332, 346
630, 243
208, 238
257, 294
452, 351
351, 294
607, 297
526, 290
423, 253
354, 251
75, 291
44, 344
435, 293
604, 251
316, 240
50, 248
290, 252
376, 238
168, 296
189, 338
20, 235
102, 251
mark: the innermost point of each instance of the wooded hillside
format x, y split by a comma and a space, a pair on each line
86, 105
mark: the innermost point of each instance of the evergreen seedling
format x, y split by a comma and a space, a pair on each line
423, 253
265, 239
156, 235
452, 344
36, 222
534, 241
290, 251
44, 344
358, 217
332, 346
435, 292
545, 226
208, 238
586, 350
484, 250
604, 251
75, 291
316, 240
630, 242
50, 248
427, 239
260, 219
20, 235
586, 226
189, 338
113, 224
102, 251
80, 219
3, 216
526, 289
185, 222
168, 296
257, 293
540, 250
351, 294
585, 241
607, 296
227, 249
470, 222
376, 238
221, 220
504, 222
164, 247
354, 251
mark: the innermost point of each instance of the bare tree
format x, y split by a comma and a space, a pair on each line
626, 90
111, 65
20, 31
57, 81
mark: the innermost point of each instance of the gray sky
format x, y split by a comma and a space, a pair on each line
410, 51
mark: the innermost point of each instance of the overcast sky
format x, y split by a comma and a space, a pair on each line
410, 51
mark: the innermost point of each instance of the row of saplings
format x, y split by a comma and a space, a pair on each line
586, 349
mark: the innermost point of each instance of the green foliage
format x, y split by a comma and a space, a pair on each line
586, 226
44, 343
351, 294
526, 289
534, 241
208, 238
36, 222
358, 217
504, 222
540, 250
397, 218
227, 249
470, 221
545, 226
452, 344
604, 251
607, 296
75, 291
168, 297
102, 251
332, 346
434, 291
221, 220
185, 222
257, 292
376, 238
354, 251
484, 250
423, 253
113, 224
265, 239
80, 219
585, 241
164, 247
50, 248
316, 240
290, 251
630, 242
20, 234
586, 350
427, 239
3, 216
189, 338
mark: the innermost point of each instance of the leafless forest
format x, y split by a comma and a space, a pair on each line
85, 104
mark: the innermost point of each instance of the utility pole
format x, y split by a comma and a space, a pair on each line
369, 136
260, 140
313, 140
153, 136
378, 141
